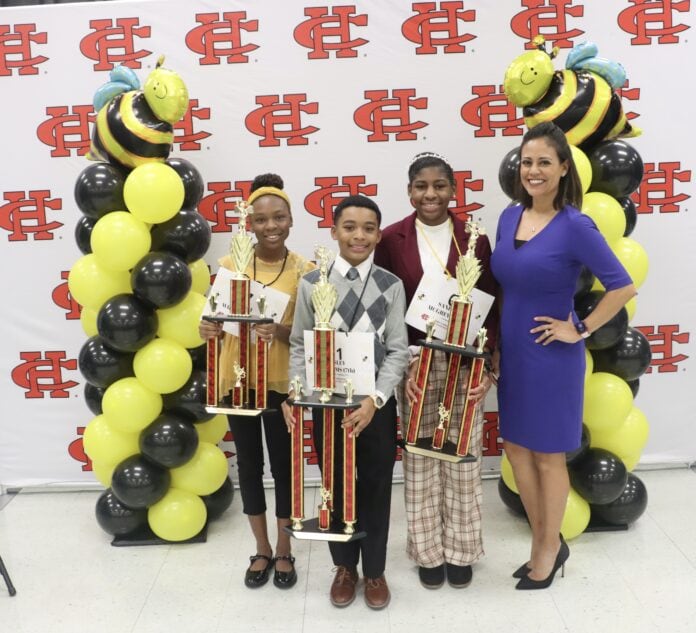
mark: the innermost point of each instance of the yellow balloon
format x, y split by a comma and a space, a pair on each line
162, 366
213, 430
103, 471
608, 401
576, 516
597, 285
180, 322
200, 276
633, 257
130, 406
589, 364
583, 167
119, 240
204, 473
631, 461
606, 213
88, 320
627, 440
631, 306
177, 516
153, 192
103, 443
166, 93
91, 284
507, 474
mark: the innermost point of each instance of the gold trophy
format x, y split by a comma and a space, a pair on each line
454, 345
241, 252
324, 297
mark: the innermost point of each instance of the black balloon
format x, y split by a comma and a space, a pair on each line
635, 386
117, 519
170, 441
629, 209
584, 282
126, 323
579, 452
83, 234
190, 400
138, 483
199, 356
187, 235
102, 365
508, 172
612, 331
630, 504
511, 499
93, 398
598, 476
99, 190
161, 279
628, 359
191, 177
220, 500
617, 168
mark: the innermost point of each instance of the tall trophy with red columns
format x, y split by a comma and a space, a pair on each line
241, 252
458, 354
324, 398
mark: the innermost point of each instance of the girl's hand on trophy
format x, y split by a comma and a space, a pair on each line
209, 329
479, 392
412, 390
265, 331
359, 418
288, 416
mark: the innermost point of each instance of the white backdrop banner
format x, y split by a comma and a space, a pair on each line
336, 99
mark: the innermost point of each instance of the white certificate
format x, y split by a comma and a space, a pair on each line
432, 301
355, 359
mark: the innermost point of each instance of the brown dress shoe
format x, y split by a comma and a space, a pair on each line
377, 594
343, 586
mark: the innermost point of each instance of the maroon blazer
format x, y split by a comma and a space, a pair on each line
398, 253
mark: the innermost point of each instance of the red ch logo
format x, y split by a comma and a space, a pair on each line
184, 135
25, 213
76, 450
637, 21
429, 21
67, 129
489, 111
630, 94
329, 30
657, 188
329, 193
63, 299
217, 207
43, 373
218, 38
112, 44
373, 116
15, 49
549, 18
662, 339
492, 442
462, 182
274, 120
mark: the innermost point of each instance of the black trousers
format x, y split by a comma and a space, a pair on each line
375, 457
248, 440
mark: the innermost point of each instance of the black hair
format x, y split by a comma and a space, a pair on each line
428, 159
266, 180
356, 201
569, 187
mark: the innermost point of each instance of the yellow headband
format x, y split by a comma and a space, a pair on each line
268, 191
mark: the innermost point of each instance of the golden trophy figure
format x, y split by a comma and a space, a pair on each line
324, 297
454, 345
241, 252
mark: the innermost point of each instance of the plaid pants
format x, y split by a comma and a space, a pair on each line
443, 500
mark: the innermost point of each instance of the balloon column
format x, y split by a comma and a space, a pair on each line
582, 101
141, 284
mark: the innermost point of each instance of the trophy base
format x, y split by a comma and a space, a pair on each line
229, 410
336, 401
468, 350
237, 318
448, 453
310, 532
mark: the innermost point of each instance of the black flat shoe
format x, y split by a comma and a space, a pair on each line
459, 576
526, 582
257, 578
521, 572
285, 579
432, 577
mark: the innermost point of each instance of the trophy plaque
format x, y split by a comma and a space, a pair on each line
241, 252
456, 350
324, 298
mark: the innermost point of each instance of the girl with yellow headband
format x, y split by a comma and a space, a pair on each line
274, 266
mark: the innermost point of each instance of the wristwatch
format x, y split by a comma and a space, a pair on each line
581, 329
378, 400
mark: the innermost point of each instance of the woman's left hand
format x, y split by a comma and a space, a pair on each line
555, 330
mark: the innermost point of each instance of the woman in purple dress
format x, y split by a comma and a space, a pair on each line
541, 245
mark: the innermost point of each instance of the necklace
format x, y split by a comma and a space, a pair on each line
432, 248
277, 277
534, 228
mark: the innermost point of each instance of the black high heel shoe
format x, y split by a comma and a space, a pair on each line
521, 572
529, 583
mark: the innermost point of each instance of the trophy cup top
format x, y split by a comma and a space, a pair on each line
350, 390
324, 293
481, 338
241, 246
261, 302
468, 266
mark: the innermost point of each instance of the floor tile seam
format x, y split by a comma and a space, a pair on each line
150, 590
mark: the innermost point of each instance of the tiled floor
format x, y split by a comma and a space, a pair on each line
69, 579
